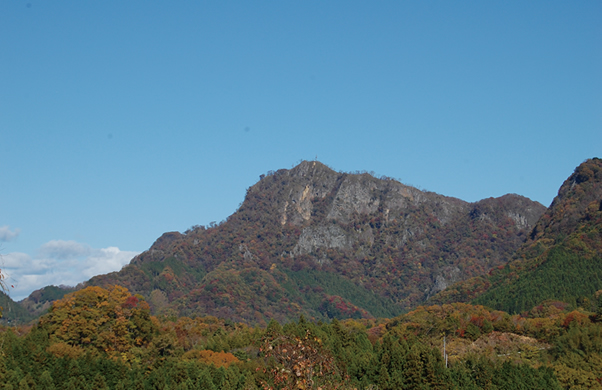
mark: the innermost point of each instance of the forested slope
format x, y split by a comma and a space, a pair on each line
327, 244
106, 339
561, 260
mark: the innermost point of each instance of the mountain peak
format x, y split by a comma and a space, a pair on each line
579, 192
311, 240
309, 168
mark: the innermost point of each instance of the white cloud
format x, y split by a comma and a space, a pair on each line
106, 260
7, 235
15, 260
59, 262
59, 249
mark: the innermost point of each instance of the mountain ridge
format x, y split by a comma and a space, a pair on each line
561, 258
295, 227
325, 244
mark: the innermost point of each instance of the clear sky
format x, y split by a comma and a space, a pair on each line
121, 120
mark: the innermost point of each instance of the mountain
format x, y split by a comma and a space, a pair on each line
32, 307
327, 244
12, 312
561, 259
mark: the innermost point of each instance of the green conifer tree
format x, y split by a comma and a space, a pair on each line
384, 379
188, 384
46, 382
99, 383
247, 382
414, 367
27, 383
12, 377
205, 382
120, 385
76, 383
273, 329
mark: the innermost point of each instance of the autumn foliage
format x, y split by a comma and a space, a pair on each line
106, 339
111, 321
218, 359
549, 338
298, 362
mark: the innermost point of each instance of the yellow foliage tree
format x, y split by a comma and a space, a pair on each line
111, 320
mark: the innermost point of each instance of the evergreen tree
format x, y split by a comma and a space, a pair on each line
13, 377
99, 383
158, 379
384, 379
460, 378
27, 383
247, 382
120, 385
205, 382
481, 371
188, 384
414, 367
76, 383
46, 382
274, 329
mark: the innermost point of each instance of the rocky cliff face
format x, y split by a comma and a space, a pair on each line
311, 234
352, 194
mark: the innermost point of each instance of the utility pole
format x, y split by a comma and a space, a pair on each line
444, 351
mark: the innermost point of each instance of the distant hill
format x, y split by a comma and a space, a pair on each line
30, 308
561, 260
12, 312
327, 244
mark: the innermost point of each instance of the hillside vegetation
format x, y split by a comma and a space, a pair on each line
561, 260
324, 244
99, 338
303, 286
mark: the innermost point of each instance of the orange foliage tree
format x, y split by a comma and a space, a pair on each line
112, 320
218, 359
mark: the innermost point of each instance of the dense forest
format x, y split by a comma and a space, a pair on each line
99, 338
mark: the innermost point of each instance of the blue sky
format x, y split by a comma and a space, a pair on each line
121, 120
